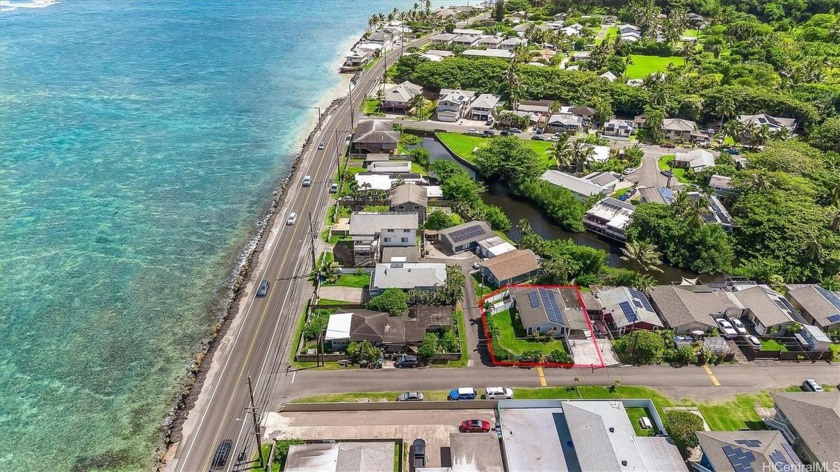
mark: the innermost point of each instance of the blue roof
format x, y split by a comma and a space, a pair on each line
666, 194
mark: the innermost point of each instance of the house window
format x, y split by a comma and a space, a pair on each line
416, 207
387, 240
406, 231
401, 207
405, 240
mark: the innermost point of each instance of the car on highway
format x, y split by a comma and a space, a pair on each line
754, 342
321, 145
220, 458
666, 173
462, 393
263, 288
334, 188
726, 327
292, 219
498, 393
811, 385
307, 180
410, 397
474, 426
629, 170
739, 327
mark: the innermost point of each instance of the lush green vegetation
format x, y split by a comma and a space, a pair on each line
772, 345
353, 280
642, 66
510, 339
393, 301
682, 427
637, 413
465, 192
466, 145
666, 162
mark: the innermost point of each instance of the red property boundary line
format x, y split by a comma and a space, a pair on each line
497, 362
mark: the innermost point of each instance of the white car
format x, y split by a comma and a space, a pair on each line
811, 385
498, 393
629, 170
472, 131
307, 180
754, 341
726, 327
292, 219
739, 327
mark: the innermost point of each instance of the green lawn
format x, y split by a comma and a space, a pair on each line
462, 338
480, 290
326, 302
835, 348
371, 107
771, 345
643, 66
463, 145
418, 169
679, 173
637, 413
353, 280
737, 413
512, 336
621, 192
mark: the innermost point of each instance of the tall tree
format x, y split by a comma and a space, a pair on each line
643, 255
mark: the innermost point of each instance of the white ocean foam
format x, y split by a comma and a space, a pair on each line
6, 5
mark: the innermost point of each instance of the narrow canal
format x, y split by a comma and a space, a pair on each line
516, 209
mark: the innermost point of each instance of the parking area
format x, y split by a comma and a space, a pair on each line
434, 426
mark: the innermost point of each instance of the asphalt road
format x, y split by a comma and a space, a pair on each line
258, 341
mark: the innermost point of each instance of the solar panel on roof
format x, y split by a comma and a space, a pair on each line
552, 309
834, 318
779, 460
642, 298
534, 298
740, 459
629, 312
466, 233
797, 464
749, 442
830, 296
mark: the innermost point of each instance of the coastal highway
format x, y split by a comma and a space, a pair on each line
257, 343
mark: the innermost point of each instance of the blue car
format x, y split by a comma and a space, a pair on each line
463, 393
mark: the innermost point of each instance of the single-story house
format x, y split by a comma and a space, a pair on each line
464, 40
511, 267
609, 218
662, 195
586, 114
687, 308
439, 53
484, 106
376, 136
765, 307
433, 318
721, 185
582, 56
695, 160
453, 104
544, 310
819, 306
678, 128
581, 187
490, 41
511, 43
541, 107
468, 31
745, 450
410, 197
442, 38
494, 246
340, 456
626, 309
381, 329
813, 338
407, 276
605, 179
565, 123
497, 53
374, 181
390, 167
619, 128
398, 97
810, 422
773, 124
599, 153
464, 237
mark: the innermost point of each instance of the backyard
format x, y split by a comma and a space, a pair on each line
772, 345
643, 66
512, 336
352, 280
464, 144
680, 174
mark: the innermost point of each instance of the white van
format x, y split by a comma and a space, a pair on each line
498, 393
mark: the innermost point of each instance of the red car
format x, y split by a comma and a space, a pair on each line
475, 426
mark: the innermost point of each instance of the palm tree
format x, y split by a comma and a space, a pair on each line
418, 104
580, 154
724, 108
834, 225
562, 152
514, 84
524, 227
695, 211
642, 254
813, 248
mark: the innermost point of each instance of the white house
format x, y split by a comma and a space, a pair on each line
407, 276
484, 106
442, 38
774, 124
511, 43
582, 187
497, 53
610, 218
619, 128
695, 160
453, 104
490, 41
565, 123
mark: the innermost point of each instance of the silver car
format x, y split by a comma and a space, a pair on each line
292, 219
410, 397
726, 328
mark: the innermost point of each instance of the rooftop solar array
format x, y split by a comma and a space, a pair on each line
834, 318
797, 464
534, 298
830, 296
740, 459
464, 234
552, 309
749, 442
640, 300
629, 312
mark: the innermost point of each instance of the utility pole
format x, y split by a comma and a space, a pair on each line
352, 111
256, 421
312, 235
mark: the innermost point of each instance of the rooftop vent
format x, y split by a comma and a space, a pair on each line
612, 430
624, 463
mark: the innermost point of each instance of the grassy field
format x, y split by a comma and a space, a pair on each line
771, 345
730, 415
643, 66
353, 281
464, 144
621, 192
679, 173
512, 336
371, 107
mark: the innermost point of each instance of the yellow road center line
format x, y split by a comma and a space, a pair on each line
712, 376
541, 374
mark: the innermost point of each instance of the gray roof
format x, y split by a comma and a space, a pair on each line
374, 456
763, 306
512, 264
681, 305
466, 233
402, 92
400, 254
502, 53
816, 418
576, 185
616, 300
407, 276
432, 317
376, 132
696, 158
565, 120
772, 122
367, 223
720, 181
486, 101
723, 449
603, 178
382, 328
815, 301
678, 124
409, 193
443, 37
571, 314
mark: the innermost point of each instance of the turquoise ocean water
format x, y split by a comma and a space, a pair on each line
139, 144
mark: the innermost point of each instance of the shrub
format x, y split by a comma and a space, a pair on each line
682, 426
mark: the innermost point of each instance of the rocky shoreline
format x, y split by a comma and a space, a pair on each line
171, 427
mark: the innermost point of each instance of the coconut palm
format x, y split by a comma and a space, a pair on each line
524, 227
514, 84
417, 104
695, 211
562, 154
643, 255
581, 154
724, 108
734, 129
813, 248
